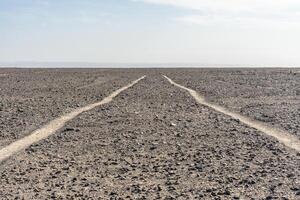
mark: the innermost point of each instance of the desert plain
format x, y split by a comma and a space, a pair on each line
152, 140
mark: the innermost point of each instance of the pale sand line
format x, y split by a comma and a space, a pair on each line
281, 135
56, 124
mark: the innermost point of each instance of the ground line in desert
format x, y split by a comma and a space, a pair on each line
281, 135
56, 124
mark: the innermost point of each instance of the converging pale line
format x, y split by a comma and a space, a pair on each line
56, 124
281, 135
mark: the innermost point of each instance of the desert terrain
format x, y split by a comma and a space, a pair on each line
152, 140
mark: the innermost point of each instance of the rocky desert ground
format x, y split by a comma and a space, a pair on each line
268, 95
153, 140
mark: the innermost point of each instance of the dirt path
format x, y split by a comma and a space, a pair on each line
55, 125
153, 141
282, 136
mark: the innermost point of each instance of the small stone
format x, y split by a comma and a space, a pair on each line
68, 129
227, 192
152, 148
173, 124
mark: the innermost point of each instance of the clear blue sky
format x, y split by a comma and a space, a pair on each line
264, 32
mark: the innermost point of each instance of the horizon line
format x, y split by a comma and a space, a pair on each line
78, 64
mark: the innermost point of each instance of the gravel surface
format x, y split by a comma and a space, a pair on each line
268, 95
32, 97
153, 142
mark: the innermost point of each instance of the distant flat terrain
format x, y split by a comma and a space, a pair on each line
153, 140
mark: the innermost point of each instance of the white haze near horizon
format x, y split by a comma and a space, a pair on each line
150, 33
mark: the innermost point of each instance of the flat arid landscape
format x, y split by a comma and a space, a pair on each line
150, 133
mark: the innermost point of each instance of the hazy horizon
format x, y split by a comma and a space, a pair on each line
130, 65
200, 32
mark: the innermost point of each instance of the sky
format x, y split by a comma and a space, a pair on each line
207, 32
